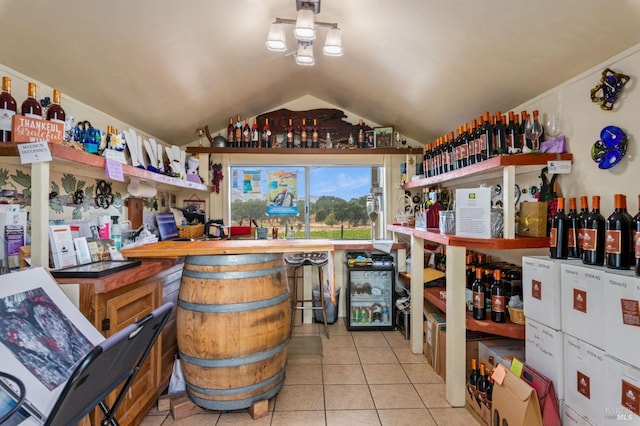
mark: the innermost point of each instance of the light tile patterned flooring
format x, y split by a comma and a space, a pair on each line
365, 378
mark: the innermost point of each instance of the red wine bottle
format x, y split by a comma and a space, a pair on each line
474, 376
500, 136
266, 134
231, 133
315, 137
618, 234
523, 136
479, 304
486, 137
463, 148
512, 134
30, 106
635, 230
574, 228
8, 108
498, 308
473, 135
255, 134
238, 134
483, 383
593, 242
55, 112
289, 137
304, 136
246, 134
559, 233
582, 223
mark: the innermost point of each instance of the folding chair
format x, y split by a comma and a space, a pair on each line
115, 361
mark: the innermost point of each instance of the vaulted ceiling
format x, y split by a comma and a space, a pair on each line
423, 66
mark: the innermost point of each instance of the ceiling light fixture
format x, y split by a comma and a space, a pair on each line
305, 33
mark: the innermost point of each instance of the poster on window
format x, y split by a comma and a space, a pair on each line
251, 181
282, 193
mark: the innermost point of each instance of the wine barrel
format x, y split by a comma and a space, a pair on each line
233, 326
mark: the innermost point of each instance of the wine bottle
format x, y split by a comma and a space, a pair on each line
574, 229
30, 106
582, 223
289, 135
266, 134
593, 242
246, 134
231, 133
523, 136
498, 308
483, 383
255, 134
479, 304
513, 134
559, 233
55, 112
486, 137
309, 133
500, 136
618, 234
315, 137
490, 390
473, 135
474, 376
362, 139
635, 230
428, 170
451, 153
630, 247
8, 108
540, 137
238, 135
304, 138
463, 149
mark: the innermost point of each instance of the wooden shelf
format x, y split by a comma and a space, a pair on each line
72, 155
435, 236
309, 151
525, 162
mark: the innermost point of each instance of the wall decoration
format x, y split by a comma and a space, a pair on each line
606, 93
611, 148
383, 137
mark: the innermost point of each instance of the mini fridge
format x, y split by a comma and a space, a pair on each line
370, 292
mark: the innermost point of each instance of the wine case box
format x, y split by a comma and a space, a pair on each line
622, 393
503, 351
533, 219
571, 417
584, 376
622, 316
480, 409
544, 351
541, 290
582, 307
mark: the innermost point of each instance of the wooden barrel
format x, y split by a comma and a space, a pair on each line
233, 324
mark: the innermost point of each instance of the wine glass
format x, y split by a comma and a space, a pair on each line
532, 131
553, 126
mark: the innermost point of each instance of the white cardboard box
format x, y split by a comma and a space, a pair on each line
502, 351
544, 352
622, 316
584, 378
541, 290
621, 405
572, 418
582, 307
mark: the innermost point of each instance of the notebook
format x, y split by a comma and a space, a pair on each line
167, 227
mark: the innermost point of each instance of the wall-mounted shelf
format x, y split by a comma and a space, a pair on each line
309, 151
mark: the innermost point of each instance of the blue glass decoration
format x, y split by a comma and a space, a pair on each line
606, 93
611, 148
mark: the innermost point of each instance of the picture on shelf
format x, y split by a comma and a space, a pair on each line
383, 137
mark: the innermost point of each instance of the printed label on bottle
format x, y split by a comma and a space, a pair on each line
612, 241
497, 303
571, 240
536, 289
5, 119
478, 300
584, 385
463, 151
510, 143
631, 397
472, 147
630, 312
483, 143
580, 237
589, 239
553, 237
580, 300
636, 243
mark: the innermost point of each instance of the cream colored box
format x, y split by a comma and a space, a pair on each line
541, 290
572, 418
582, 308
584, 378
621, 405
622, 316
544, 352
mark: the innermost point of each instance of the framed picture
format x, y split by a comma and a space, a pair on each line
383, 137
194, 205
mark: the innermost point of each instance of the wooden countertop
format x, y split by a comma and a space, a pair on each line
174, 249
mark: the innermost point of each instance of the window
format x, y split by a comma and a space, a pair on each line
315, 201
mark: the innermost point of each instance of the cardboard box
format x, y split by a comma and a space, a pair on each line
441, 355
480, 410
544, 352
584, 379
622, 393
572, 418
434, 323
514, 401
533, 219
622, 316
582, 308
541, 290
501, 350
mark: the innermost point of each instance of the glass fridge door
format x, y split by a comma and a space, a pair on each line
370, 298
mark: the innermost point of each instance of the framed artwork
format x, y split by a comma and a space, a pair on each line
194, 204
383, 137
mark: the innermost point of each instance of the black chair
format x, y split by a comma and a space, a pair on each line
114, 362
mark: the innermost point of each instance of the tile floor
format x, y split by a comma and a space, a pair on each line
364, 378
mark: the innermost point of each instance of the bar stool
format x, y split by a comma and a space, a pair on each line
296, 261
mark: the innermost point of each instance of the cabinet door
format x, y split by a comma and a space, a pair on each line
123, 310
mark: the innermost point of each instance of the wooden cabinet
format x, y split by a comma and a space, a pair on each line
506, 166
117, 300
